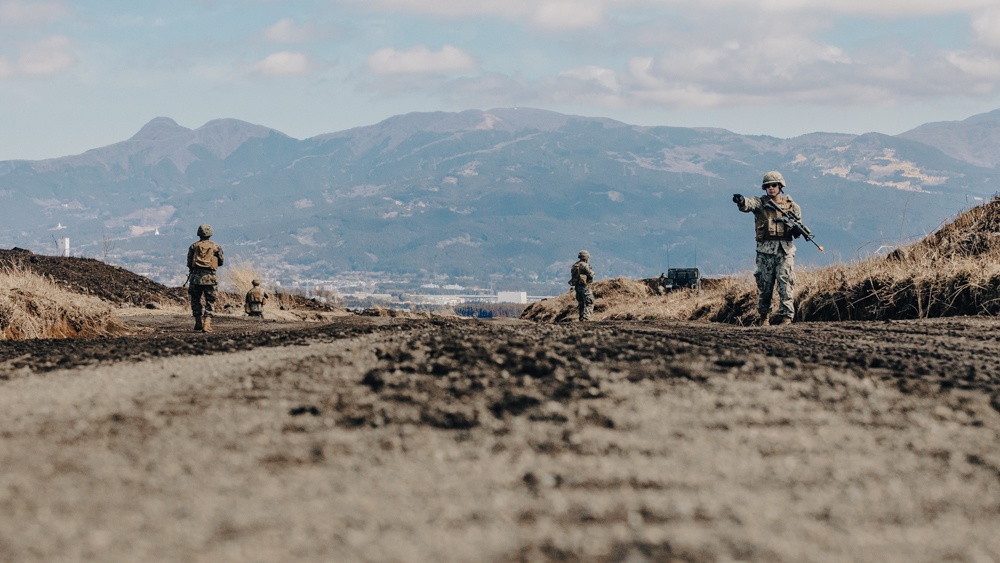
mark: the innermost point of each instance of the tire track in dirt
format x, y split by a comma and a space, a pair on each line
921, 356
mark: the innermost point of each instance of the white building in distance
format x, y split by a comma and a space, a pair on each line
520, 297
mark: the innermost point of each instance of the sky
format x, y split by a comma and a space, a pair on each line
81, 74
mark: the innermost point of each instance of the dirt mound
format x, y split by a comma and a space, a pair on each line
453, 375
613, 298
93, 277
631, 300
973, 233
955, 271
119, 286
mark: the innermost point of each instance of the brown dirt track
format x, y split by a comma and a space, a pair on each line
393, 439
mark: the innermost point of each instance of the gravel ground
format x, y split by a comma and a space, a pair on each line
388, 439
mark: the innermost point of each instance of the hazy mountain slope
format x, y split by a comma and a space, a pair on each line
501, 194
974, 140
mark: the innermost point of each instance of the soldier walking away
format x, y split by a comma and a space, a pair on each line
254, 303
203, 261
582, 275
775, 249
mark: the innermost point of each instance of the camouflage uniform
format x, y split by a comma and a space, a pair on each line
202, 278
775, 251
582, 275
254, 303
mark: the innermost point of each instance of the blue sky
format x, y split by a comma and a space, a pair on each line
80, 74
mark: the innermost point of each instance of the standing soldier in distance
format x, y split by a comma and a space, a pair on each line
775, 249
582, 275
255, 299
203, 260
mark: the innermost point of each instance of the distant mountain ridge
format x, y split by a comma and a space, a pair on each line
507, 195
163, 139
974, 140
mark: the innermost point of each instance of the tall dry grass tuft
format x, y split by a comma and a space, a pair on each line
235, 280
954, 271
723, 300
914, 286
33, 307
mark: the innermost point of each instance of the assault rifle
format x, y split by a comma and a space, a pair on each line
793, 223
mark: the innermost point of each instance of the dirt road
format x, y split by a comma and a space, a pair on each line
375, 439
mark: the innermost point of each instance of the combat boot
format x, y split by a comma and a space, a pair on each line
207, 325
782, 320
198, 324
760, 320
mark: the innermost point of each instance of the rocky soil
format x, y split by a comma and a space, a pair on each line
393, 439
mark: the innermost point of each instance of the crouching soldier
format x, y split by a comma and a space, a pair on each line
203, 261
254, 303
581, 276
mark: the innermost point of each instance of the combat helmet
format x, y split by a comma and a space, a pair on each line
255, 283
205, 230
583, 255
772, 177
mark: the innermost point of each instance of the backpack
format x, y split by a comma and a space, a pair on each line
204, 255
254, 302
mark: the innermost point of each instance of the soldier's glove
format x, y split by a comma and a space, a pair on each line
738, 199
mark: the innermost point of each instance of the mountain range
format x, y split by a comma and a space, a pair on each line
506, 196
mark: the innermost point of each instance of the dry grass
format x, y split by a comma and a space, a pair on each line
33, 307
284, 300
724, 300
235, 280
955, 271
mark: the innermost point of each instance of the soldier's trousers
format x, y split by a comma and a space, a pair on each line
775, 271
197, 292
584, 301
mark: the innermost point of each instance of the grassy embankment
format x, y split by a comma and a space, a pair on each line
31, 306
954, 271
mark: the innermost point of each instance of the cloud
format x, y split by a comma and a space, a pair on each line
604, 78
283, 63
713, 54
986, 26
568, 14
421, 60
863, 8
976, 66
288, 31
51, 56
21, 12
582, 14
48, 57
545, 14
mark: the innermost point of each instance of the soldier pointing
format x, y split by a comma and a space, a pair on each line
775, 249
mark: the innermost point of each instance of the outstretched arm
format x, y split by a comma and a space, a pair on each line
746, 204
